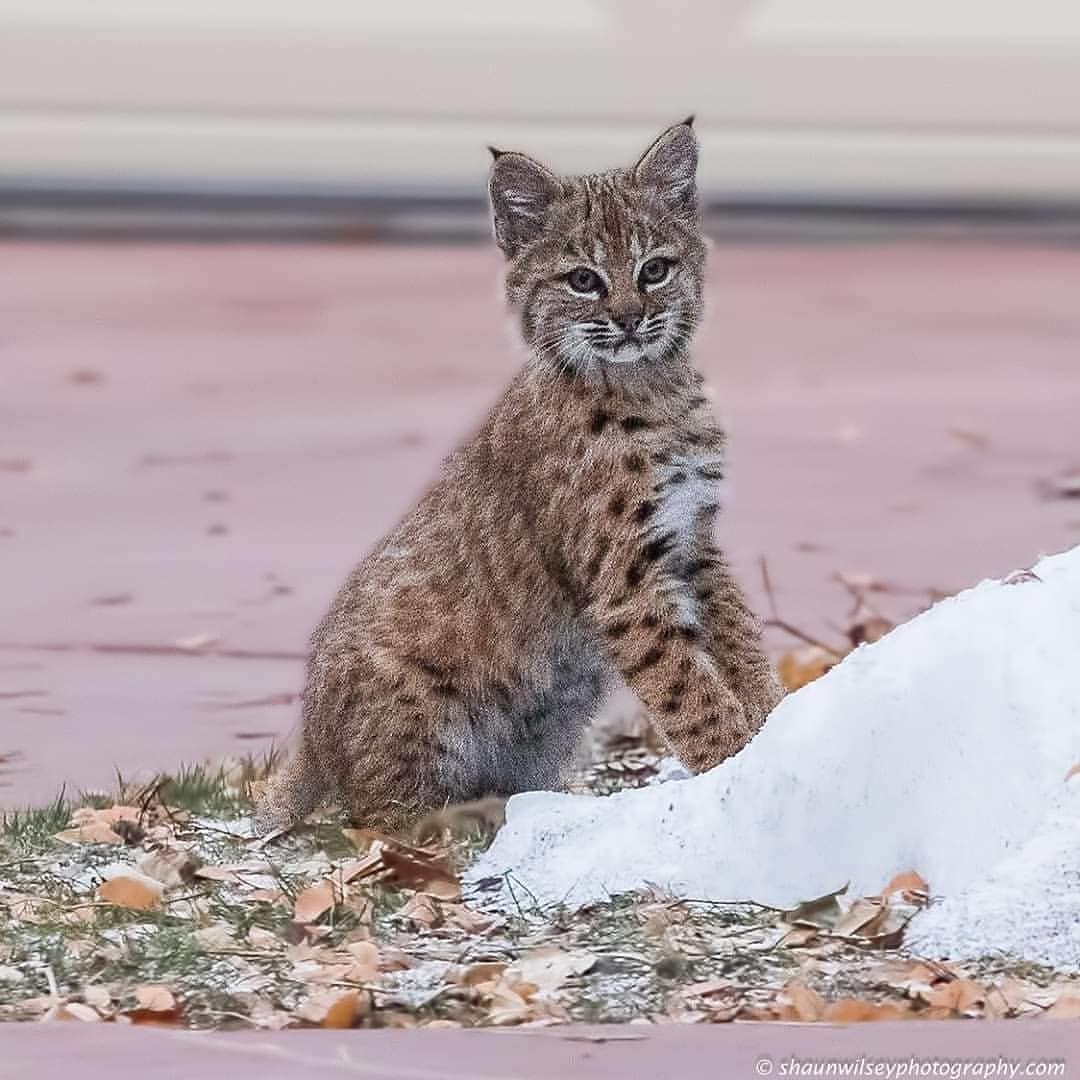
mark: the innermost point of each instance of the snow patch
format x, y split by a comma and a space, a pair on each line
941, 748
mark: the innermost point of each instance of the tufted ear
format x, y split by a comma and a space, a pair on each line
669, 166
522, 192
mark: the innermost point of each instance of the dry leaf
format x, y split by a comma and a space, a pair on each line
72, 1010
483, 975
549, 967
314, 902
421, 909
335, 1009
962, 996
91, 826
1074, 771
911, 979
808, 1005
259, 938
415, 868
822, 911
859, 919
910, 885
365, 955
803, 665
1067, 1007
473, 922
155, 998
170, 866
130, 889
853, 1011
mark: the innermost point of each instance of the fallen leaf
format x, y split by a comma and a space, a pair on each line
906, 883
97, 997
155, 998
963, 996
1074, 771
365, 967
212, 938
859, 919
335, 1009
72, 1010
170, 866
130, 889
421, 909
481, 975
260, 938
808, 1004
853, 1011
314, 902
822, 911
415, 868
801, 666
472, 922
549, 967
1067, 1007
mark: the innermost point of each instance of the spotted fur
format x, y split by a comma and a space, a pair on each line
567, 544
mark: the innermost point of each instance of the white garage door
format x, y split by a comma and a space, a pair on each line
795, 98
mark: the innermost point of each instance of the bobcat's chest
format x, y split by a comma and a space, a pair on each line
686, 493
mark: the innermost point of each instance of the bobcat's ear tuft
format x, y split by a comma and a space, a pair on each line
522, 193
669, 167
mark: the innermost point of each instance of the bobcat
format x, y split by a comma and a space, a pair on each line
568, 542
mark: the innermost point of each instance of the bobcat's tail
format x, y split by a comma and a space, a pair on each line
294, 791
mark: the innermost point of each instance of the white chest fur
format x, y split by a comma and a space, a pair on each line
683, 493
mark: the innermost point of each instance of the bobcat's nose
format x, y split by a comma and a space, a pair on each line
627, 323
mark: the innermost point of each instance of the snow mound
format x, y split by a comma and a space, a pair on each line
1028, 906
941, 748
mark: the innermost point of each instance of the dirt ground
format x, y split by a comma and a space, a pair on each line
197, 441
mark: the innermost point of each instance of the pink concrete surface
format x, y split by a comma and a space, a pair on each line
628, 1052
197, 441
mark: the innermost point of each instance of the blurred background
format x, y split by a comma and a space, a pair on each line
248, 303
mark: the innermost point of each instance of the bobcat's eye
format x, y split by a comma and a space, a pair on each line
654, 272
583, 280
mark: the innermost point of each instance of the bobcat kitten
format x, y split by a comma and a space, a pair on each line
568, 542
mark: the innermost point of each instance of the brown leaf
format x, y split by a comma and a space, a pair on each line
365, 955
213, 938
72, 1010
421, 909
912, 979
853, 1011
911, 886
93, 826
808, 1004
964, 996
859, 920
335, 1009
549, 967
798, 667
314, 902
414, 868
130, 889
481, 975
1067, 1007
154, 1005
1074, 771
155, 998
170, 866
473, 922
821, 912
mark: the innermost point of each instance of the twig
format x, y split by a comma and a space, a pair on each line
779, 623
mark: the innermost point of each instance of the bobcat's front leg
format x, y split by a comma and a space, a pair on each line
731, 634
646, 612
